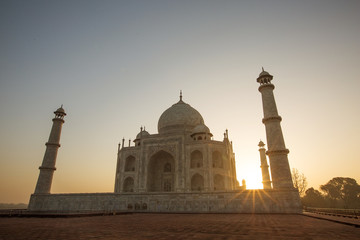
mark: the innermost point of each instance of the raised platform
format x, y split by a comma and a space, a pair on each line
248, 201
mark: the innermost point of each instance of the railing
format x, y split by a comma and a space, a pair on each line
339, 212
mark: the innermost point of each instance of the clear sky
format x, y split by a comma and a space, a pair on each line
117, 65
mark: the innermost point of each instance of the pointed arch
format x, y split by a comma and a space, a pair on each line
217, 160
161, 172
130, 164
128, 185
219, 183
196, 159
197, 182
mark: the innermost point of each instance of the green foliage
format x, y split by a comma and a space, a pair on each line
342, 190
339, 192
313, 198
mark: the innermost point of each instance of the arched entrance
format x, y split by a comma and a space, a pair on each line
128, 185
130, 164
196, 159
219, 182
217, 160
160, 172
197, 182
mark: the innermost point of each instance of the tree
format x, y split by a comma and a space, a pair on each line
313, 198
344, 191
299, 180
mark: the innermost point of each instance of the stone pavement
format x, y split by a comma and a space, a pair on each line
177, 226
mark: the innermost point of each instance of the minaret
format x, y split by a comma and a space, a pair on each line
243, 184
48, 165
277, 152
264, 167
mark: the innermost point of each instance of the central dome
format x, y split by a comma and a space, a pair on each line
179, 117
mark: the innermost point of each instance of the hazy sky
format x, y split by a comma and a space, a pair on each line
117, 65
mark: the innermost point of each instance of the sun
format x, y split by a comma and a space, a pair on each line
253, 184
253, 180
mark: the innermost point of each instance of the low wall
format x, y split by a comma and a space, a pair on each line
248, 201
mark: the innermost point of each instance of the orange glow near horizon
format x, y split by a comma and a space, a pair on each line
252, 182
250, 171
253, 185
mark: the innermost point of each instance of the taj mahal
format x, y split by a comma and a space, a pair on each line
180, 169
182, 157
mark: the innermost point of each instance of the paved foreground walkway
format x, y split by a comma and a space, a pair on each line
177, 226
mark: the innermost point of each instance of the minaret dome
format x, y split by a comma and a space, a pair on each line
60, 112
264, 77
261, 144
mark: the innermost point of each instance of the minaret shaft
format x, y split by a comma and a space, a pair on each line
274, 136
47, 167
268, 100
264, 167
277, 152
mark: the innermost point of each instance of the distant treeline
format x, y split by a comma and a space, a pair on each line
339, 192
13, 205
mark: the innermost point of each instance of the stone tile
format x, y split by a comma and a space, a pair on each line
177, 226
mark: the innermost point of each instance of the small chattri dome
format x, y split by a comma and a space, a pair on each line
261, 144
264, 77
60, 111
264, 73
201, 129
141, 134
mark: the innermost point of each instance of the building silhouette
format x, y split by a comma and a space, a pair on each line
180, 169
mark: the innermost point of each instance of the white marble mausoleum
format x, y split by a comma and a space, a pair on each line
180, 169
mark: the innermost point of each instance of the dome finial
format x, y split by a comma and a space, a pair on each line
262, 69
180, 95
